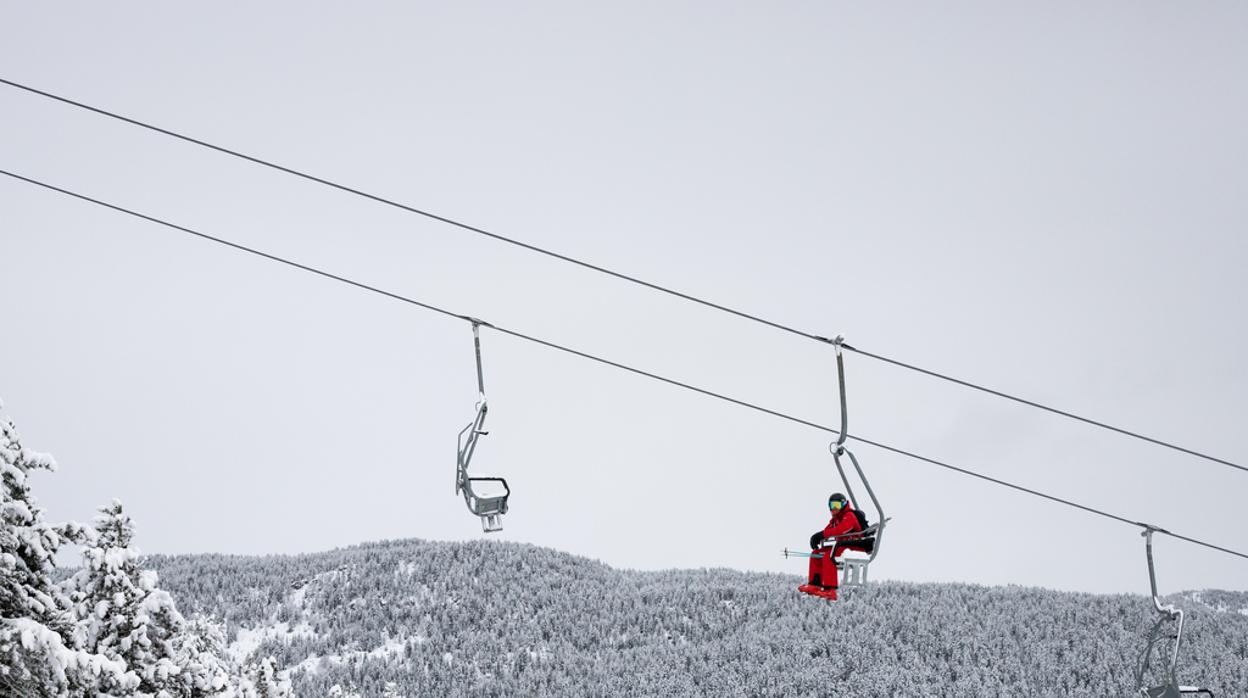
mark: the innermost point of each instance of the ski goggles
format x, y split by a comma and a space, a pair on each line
836, 505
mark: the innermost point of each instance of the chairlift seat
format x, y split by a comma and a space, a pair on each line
489, 507
484, 506
862, 545
853, 571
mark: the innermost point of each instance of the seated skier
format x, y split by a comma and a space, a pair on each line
823, 579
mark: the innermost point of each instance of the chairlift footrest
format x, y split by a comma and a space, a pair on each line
492, 523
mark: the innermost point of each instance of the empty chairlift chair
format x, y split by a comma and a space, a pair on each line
1169, 626
481, 492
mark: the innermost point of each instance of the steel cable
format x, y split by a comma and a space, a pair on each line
623, 276
619, 275
614, 364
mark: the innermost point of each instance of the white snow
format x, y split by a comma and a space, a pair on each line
39, 638
299, 596
392, 647
311, 665
407, 568
249, 639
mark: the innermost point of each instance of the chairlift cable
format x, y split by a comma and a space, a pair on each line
616, 274
615, 364
1046, 408
619, 275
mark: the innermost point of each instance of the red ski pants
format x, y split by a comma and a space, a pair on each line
823, 566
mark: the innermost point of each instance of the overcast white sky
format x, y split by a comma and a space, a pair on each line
1047, 198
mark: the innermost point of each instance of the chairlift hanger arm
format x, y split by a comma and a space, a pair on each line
1147, 533
468, 437
838, 448
838, 342
476, 342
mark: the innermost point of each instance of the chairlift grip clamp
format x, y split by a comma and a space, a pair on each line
475, 321
838, 341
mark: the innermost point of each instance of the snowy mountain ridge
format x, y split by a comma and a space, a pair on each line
1214, 600
487, 618
414, 618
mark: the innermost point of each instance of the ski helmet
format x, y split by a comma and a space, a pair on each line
837, 501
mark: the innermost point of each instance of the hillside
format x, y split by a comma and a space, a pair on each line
488, 618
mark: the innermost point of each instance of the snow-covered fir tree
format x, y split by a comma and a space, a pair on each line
264, 680
40, 649
124, 615
108, 630
199, 649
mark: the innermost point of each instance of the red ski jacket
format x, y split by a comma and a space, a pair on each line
843, 521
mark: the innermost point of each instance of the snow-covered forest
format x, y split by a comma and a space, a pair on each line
487, 618
416, 618
108, 629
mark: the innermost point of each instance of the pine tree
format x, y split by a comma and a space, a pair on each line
40, 652
263, 680
199, 648
125, 617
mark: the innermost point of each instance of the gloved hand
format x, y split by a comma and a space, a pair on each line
816, 539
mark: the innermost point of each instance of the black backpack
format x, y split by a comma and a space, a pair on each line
862, 519
867, 543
